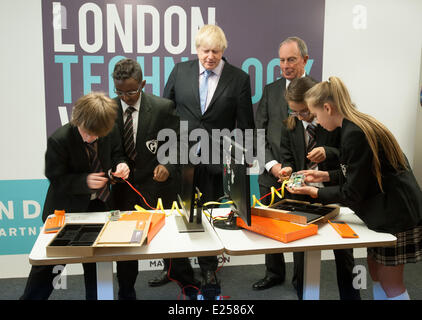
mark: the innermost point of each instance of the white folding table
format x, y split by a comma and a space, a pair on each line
168, 243
245, 242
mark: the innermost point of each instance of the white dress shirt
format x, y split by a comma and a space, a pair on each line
135, 115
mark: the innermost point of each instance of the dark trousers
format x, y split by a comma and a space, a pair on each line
344, 266
125, 199
127, 272
274, 262
211, 186
41, 278
344, 259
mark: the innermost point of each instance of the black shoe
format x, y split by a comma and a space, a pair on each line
209, 277
127, 294
191, 293
210, 286
160, 280
266, 283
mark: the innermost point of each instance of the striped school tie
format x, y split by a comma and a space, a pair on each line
310, 129
129, 142
104, 192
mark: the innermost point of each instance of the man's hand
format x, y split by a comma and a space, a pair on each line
161, 173
275, 170
284, 174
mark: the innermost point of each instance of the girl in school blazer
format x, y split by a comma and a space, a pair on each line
296, 156
375, 180
294, 139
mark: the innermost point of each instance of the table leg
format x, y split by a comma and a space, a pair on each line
105, 281
312, 273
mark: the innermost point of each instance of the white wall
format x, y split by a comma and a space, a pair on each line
381, 65
22, 112
418, 135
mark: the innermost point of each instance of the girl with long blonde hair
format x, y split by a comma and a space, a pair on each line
374, 180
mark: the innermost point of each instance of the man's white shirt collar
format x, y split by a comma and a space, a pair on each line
217, 70
288, 81
137, 105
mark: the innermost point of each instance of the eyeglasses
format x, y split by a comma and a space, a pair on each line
303, 114
129, 93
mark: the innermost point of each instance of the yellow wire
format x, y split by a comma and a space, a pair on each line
160, 205
175, 206
217, 203
273, 193
254, 202
216, 218
206, 204
139, 208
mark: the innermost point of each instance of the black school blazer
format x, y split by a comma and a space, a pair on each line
293, 151
293, 147
67, 167
397, 209
155, 114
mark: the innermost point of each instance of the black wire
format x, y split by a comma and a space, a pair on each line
211, 220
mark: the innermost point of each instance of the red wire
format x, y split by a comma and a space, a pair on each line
168, 273
268, 194
180, 285
139, 194
218, 269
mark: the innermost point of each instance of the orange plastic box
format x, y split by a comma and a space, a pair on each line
283, 231
157, 222
55, 222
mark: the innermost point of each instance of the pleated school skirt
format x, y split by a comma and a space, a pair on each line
408, 249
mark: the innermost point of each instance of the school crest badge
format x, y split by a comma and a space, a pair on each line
343, 169
152, 146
